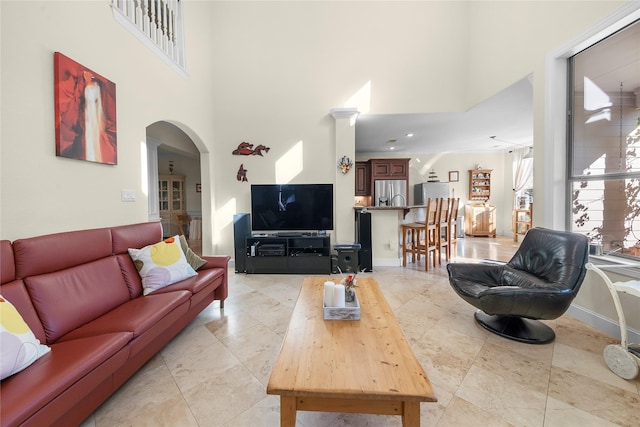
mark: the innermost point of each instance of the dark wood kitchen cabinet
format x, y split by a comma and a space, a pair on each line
389, 168
363, 179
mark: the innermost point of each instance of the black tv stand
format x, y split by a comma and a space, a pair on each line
297, 254
289, 234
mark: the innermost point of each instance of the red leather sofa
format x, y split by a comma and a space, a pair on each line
81, 295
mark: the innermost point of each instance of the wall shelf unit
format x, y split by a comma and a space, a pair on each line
479, 185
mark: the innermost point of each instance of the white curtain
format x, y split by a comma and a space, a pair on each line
522, 173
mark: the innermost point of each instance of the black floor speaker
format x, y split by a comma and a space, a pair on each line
363, 236
241, 230
347, 261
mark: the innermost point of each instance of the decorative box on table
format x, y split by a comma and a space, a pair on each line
351, 311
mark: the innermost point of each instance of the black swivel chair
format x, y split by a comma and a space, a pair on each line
539, 282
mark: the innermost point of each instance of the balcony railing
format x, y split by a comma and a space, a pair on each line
158, 24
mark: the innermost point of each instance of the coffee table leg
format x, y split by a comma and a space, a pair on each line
288, 411
411, 415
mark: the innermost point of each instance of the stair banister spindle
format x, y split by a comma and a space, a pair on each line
170, 22
153, 21
165, 26
137, 13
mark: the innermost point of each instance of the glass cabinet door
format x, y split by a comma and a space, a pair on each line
177, 195
163, 198
171, 193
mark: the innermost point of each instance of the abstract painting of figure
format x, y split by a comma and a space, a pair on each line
85, 107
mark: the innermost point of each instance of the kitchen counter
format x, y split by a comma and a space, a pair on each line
405, 209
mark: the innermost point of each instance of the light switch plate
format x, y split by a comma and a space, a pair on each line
128, 195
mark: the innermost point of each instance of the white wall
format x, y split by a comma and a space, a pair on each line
42, 193
281, 66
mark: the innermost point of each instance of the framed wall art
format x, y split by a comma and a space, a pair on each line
454, 176
85, 108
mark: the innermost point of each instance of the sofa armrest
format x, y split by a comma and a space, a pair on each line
217, 261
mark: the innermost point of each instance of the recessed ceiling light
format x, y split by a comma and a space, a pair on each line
409, 135
392, 141
392, 148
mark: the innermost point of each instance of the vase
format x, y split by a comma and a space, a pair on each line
350, 295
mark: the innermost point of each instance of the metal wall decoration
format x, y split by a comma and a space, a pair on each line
246, 149
345, 164
242, 174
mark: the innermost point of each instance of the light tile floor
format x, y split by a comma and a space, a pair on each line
216, 371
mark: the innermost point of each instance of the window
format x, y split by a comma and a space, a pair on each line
604, 142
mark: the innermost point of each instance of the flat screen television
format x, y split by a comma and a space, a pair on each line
299, 207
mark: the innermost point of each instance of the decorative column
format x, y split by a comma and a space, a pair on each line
152, 177
344, 192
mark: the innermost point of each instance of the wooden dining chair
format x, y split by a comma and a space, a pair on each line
182, 221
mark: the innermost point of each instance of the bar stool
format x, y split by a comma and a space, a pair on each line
411, 235
444, 234
453, 227
428, 245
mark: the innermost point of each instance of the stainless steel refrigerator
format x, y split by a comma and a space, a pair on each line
390, 192
429, 190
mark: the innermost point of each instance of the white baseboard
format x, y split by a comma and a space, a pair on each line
387, 262
601, 323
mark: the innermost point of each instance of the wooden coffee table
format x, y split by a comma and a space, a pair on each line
362, 366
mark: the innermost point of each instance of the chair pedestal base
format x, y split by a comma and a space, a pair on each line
516, 328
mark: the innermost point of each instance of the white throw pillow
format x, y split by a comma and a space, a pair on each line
161, 264
19, 347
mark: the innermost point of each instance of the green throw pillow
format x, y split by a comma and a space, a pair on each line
192, 258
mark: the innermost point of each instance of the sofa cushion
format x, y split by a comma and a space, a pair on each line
94, 358
130, 275
54, 252
201, 286
67, 299
135, 316
161, 264
147, 318
7, 263
19, 347
197, 283
135, 236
